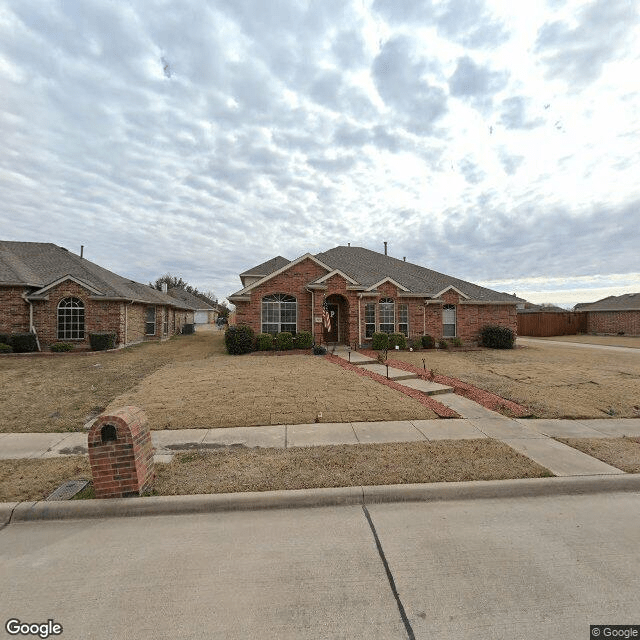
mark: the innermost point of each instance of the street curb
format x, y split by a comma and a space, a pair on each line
340, 496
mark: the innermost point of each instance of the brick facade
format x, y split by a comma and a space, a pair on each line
423, 318
126, 319
614, 322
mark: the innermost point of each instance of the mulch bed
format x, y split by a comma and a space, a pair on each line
438, 408
485, 398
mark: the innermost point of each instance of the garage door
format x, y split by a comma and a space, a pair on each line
201, 317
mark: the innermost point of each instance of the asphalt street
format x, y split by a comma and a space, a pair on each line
544, 567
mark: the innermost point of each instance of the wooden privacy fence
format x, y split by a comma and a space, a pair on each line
552, 323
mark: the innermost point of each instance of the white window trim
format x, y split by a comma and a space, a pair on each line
66, 329
279, 323
450, 307
147, 322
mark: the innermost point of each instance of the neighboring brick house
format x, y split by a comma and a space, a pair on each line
613, 315
365, 292
203, 312
62, 297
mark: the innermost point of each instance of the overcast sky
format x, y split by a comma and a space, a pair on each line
496, 141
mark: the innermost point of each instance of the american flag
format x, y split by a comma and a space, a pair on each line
326, 315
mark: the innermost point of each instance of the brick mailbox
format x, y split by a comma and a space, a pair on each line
121, 454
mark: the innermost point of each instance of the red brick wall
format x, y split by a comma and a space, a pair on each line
14, 311
123, 467
470, 318
614, 322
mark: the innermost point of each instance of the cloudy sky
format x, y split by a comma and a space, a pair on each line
496, 141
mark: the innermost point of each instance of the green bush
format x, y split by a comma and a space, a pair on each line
303, 340
239, 339
428, 342
284, 341
456, 342
264, 342
58, 347
397, 339
496, 337
319, 350
416, 344
443, 344
5, 348
24, 342
5, 338
102, 340
380, 341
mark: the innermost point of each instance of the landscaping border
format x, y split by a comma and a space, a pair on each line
439, 409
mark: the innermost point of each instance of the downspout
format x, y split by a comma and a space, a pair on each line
424, 319
313, 317
126, 322
359, 320
31, 325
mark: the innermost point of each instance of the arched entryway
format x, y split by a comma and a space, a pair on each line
338, 307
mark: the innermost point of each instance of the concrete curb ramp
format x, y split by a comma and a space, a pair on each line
12, 512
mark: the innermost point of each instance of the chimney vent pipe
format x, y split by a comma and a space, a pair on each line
385, 248
81, 250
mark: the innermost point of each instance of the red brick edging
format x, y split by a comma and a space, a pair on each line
427, 401
485, 398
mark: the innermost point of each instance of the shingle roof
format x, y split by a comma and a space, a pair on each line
368, 268
267, 267
38, 264
189, 299
626, 302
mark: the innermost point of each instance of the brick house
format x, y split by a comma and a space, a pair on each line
365, 292
613, 315
62, 297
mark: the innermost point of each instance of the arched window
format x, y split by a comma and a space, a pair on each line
71, 319
279, 313
387, 316
449, 321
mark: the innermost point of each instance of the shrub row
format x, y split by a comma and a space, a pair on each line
18, 342
102, 341
241, 339
496, 337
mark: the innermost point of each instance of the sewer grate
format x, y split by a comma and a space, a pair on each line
69, 489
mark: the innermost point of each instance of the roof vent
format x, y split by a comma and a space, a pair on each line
164, 287
405, 258
385, 248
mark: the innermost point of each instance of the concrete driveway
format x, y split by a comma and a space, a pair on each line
508, 568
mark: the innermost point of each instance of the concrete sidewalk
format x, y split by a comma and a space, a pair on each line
580, 345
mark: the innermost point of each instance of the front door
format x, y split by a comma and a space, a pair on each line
332, 334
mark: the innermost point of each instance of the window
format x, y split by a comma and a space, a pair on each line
387, 316
150, 327
71, 319
449, 321
279, 313
369, 320
403, 319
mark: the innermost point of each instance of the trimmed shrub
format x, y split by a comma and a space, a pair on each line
284, 341
397, 339
303, 340
5, 348
443, 344
456, 342
416, 344
239, 339
24, 342
102, 340
319, 350
5, 338
264, 342
380, 341
59, 347
428, 342
495, 337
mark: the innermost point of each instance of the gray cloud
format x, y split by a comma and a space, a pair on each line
475, 82
401, 83
578, 53
514, 114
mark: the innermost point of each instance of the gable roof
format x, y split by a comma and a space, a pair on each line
38, 265
190, 299
626, 302
368, 269
266, 268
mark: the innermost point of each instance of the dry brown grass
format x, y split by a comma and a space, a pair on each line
633, 342
622, 453
553, 381
36, 479
235, 469
187, 382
